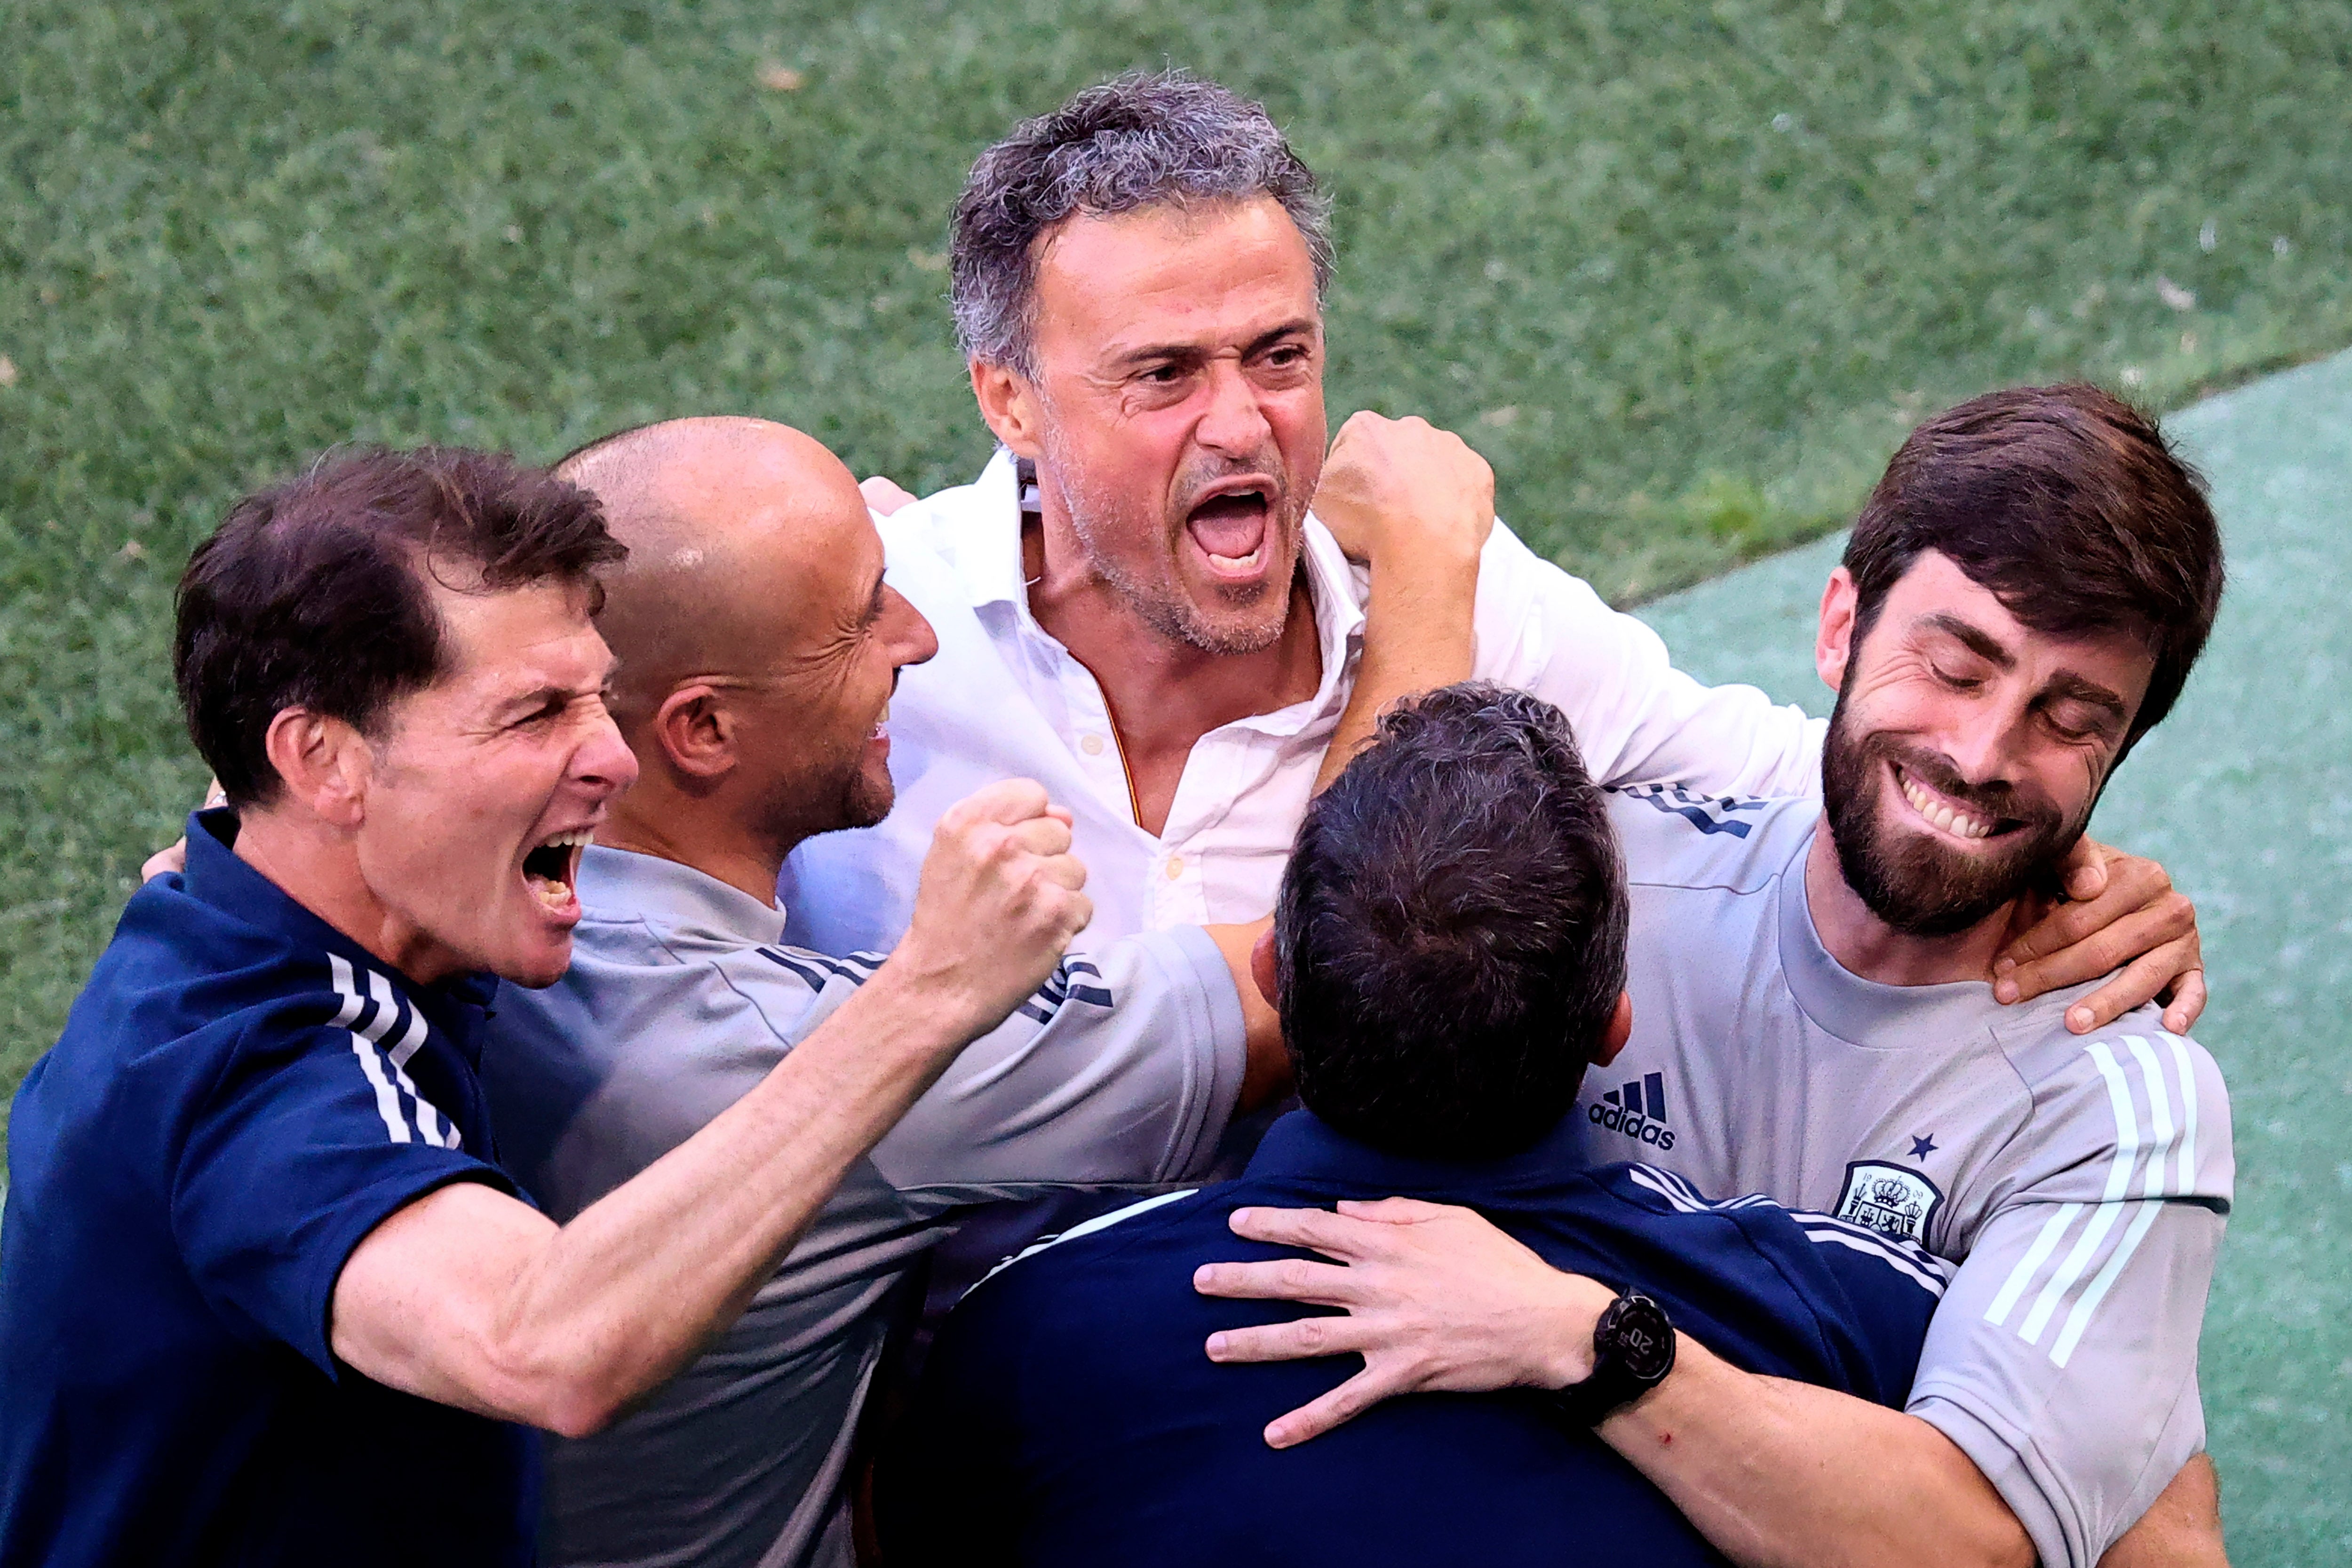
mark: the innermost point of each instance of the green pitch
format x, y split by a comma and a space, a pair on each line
2242, 793
1684, 271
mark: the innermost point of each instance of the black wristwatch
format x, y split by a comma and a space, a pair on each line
1632, 1351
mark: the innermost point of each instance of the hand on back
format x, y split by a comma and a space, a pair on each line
997, 903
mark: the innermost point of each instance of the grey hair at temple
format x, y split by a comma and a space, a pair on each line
1134, 141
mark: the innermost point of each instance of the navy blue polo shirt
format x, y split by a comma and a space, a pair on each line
1069, 1415
240, 1095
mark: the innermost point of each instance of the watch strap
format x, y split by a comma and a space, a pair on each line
1633, 1351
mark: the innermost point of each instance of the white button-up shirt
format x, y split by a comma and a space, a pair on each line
1003, 698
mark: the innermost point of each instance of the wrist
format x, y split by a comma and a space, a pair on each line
1563, 1350
922, 1008
1427, 569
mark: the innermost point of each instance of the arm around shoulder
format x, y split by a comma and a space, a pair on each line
1637, 718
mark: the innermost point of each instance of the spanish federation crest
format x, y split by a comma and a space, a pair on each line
1889, 1198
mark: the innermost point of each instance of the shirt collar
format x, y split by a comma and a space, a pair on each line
217, 877
1303, 1145
1870, 1013
624, 885
996, 575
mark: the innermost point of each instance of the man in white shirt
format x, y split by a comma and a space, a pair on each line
1162, 634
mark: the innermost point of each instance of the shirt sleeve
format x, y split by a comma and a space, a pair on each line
1867, 1299
1123, 1069
2063, 1358
1637, 718
299, 1152
1887, 1293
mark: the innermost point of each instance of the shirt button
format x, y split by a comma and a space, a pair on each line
1091, 746
1175, 866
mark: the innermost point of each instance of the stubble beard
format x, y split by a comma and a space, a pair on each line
855, 801
1915, 885
1100, 520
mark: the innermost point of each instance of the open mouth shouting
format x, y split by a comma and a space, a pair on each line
551, 871
1951, 817
1232, 527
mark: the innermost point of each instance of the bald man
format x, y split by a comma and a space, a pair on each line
757, 647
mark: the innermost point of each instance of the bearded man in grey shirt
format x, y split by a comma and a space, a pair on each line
1814, 1020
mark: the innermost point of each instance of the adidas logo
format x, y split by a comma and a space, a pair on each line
1638, 1110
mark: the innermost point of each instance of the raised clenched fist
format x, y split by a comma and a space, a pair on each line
997, 903
1403, 492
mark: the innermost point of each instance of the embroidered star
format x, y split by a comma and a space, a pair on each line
1923, 1147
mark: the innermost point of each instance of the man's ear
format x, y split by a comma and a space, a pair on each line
696, 732
1619, 1030
1011, 408
1262, 968
1834, 641
323, 764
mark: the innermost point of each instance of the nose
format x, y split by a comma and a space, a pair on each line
1232, 422
1983, 744
911, 638
603, 761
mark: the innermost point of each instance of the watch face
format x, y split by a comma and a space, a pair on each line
1643, 1339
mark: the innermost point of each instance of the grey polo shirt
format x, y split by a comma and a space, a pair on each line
1122, 1069
2078, 1182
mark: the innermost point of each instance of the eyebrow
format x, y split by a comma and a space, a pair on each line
2066, 686
2070, 687
1193, 352
539, 696
533, 700
1975, 638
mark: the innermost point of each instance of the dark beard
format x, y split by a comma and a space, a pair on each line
1908, 880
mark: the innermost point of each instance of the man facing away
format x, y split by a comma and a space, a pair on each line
267, 1293
759, 646
2022, 599
1448, 954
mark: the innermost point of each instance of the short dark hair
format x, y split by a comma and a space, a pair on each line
312, 593
1449, 943
2070, 507
1134, 141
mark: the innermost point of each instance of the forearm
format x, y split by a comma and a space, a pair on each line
1267, 1075
2182, 1530
630, 1290
1417, 638
472, 1298
1784, 1475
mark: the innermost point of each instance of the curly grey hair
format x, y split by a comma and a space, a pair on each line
1133, 142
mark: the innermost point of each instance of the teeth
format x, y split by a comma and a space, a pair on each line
1955, 823
1238, 563
579, 840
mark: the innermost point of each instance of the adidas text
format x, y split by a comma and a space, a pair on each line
1634, 1125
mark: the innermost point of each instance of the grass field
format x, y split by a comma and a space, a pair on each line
1683, 270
